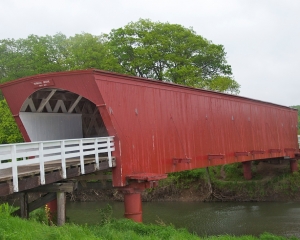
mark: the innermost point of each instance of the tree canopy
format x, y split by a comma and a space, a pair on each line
35, 55
172, 53
163, 51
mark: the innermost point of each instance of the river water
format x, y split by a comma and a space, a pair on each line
205, 218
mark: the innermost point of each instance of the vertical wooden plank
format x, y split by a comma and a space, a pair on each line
61, 208
14, 168
109, 152
81, 156
96, 153
24, 205
63, 159
42, 166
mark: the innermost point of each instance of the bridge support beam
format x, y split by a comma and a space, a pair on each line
57, 206
61, 208
247, 170
294, 165
57, 209
132, 193
24, 205
133, 206
133, 201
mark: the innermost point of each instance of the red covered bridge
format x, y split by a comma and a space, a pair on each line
158, 127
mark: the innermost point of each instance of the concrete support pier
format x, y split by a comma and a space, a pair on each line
294, 165
133, 206
132, 193
247, 170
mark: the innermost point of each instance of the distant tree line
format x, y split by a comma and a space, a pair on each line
162, 51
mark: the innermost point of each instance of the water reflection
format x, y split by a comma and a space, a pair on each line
206, 218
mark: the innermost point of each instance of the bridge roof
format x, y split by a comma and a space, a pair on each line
123, 76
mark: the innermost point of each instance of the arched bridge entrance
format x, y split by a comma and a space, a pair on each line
51, 114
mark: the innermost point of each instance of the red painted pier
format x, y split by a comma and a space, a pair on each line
158, 127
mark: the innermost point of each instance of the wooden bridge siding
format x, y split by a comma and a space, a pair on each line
158, 122
153, 122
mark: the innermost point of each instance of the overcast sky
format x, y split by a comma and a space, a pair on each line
261, 37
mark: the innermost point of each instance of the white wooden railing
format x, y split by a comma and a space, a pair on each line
22, 154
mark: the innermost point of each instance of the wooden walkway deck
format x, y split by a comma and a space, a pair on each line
25, 166
29, 175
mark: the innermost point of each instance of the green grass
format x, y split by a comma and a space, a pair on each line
184, 179
15, 228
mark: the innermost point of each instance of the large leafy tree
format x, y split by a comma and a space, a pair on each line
88, 51
172, 53
36, 55
9, 132
33, 55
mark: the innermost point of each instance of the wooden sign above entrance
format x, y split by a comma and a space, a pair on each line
43, 83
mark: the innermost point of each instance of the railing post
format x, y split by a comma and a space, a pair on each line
81, 156
42, 164
63, 159
96, 154
14, 167
109, 152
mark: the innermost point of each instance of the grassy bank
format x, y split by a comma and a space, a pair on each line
15, 228
270, 182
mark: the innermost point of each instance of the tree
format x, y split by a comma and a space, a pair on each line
171, 53
163, 51
9, 132
87, 51
30, 56
36, 55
